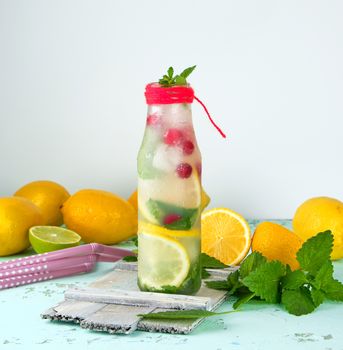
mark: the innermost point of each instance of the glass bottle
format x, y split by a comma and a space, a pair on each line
169, 194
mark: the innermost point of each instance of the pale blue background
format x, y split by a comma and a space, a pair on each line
72, 76
257, 327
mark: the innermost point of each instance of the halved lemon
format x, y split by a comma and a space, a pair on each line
162, 261
49, 238
225, 235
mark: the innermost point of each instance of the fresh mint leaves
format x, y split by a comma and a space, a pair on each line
298, 302
300, 291
182, 314
130, 258
211, 263
264, 281
169, 79
315, 252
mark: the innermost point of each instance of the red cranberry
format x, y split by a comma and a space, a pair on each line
173, 137
188, 147
153, 119
171, 218
184, 170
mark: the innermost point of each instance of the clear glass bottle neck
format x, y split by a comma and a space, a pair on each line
179, 113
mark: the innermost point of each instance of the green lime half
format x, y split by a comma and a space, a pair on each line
49, 238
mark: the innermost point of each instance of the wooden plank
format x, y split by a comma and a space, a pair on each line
219, 273
111, 303
217, 297
73, 311
119, 279
168, 326
127, 297
115, 319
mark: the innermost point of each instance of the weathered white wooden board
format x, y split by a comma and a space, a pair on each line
112, 303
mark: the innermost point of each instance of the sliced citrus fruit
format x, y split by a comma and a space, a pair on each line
162, 261
158, 230
49, 238
225, 235
205, 199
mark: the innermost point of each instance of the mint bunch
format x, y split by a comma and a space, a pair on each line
169, 79
300, 291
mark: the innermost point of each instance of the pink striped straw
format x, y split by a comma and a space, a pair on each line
49, 266
38, 277
87, 249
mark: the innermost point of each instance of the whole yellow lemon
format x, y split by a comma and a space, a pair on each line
320, 214
17, 215
276, 242
100, 216
49, 197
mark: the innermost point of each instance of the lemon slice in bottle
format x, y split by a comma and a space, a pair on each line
158, 230
49, 238
163, 262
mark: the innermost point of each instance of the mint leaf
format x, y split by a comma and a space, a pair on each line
204, 273
169, 79
135, 240
250, 263
264, 281
233, 281
185, 74
242, 300
130, 258
179, 80
219, 285
298, 302
315, 252
182, 314
317, 296
170, 72
333, 290
293, 279
211, 262
323, 276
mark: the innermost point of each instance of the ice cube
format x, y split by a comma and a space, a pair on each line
167, 158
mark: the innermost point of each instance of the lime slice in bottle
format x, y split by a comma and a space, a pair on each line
49, 238
163, 262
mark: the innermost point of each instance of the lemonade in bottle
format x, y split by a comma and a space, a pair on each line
169, 190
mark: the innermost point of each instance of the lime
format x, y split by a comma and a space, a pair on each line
49, 238
162, 261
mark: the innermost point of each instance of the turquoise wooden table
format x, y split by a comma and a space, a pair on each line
257, 326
